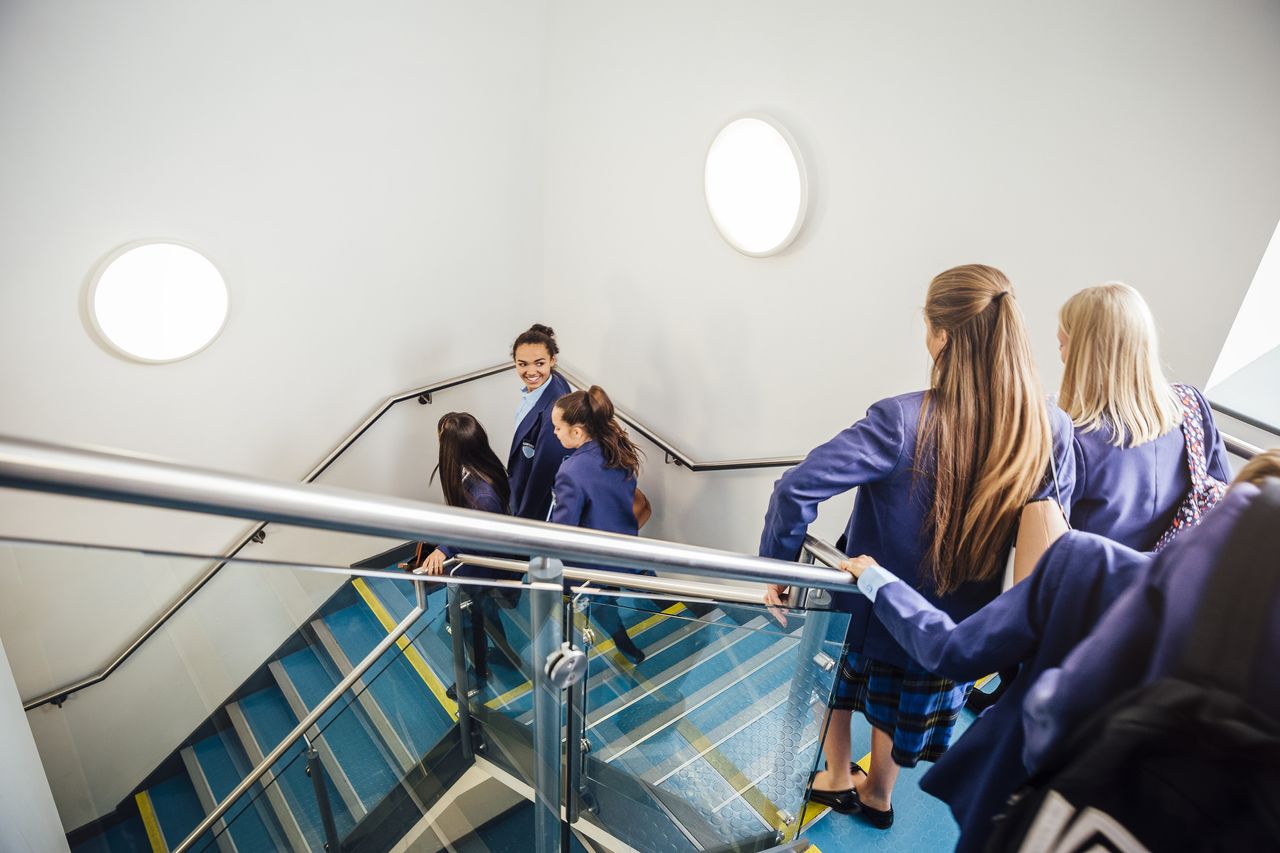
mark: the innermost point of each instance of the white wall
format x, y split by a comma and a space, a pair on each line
368, 180
1067, 144
1255, 331
28, 819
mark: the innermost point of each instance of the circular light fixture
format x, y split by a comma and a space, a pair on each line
755, 186
157, 302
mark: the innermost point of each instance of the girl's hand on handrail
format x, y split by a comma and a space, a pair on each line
857, 565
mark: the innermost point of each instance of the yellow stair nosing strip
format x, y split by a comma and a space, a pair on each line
149, 820
414, 657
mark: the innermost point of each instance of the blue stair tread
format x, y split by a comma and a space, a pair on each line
271, 720
176, 806
344, 728
653, 664
127, 836
638, 714
743, 747
225, 764
921, 822
399, 691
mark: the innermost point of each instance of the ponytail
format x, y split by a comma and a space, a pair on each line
593, 411
985, 439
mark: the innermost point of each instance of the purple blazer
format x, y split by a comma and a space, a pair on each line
482, 497
877, 455
536, 455
1143, 636
1130, 494
589, 494
1033, 626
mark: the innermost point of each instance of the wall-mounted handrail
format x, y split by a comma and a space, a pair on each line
299, 730
679, 456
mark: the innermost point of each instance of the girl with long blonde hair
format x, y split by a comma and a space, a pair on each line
1149, 459
942, 477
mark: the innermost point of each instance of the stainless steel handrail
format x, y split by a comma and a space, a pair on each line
1240, 448
333, 455
624, 580
679, 456
42, 466
294, 736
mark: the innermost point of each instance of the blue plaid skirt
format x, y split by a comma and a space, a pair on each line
917, 708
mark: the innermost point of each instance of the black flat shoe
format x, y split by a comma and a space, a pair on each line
845, 802
877, 818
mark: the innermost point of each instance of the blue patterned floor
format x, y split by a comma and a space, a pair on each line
921, 822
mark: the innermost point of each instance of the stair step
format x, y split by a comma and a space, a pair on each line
263, 719
176, 806
217, 764
344, 729
413, 710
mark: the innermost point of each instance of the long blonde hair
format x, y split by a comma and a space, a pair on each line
1112, 378
984, 437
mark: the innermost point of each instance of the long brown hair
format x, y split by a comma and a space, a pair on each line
593, 411
985, 439
464, 445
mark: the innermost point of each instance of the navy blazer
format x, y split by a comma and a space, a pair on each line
877, 455
482, 497
1143, 637
536, 455
1130, 494
1034, 625
589, 494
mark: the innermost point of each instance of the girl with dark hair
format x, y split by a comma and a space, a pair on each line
472, 478
943, 477
596, 485
536, 453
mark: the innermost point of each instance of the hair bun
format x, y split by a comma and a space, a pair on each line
541, 329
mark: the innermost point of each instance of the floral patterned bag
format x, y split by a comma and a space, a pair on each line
1205, 490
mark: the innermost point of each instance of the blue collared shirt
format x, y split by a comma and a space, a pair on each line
870, 581
529, 399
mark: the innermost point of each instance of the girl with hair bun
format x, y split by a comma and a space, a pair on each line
596, 484
536, 453
1149, 458
943, 477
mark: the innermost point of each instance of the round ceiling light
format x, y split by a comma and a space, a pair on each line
755, 186
158, 302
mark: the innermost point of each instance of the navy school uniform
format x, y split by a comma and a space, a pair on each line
1130, 494
536, 454
877, 455
1034, 625
1143, 636
590, 494
480, 496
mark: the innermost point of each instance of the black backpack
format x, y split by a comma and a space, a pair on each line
1183, 763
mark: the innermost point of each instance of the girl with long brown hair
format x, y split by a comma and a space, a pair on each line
596, 485
471, 477
942, 476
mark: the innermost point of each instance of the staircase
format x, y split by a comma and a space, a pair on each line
705, 745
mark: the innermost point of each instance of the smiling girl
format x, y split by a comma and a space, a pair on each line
536, 454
